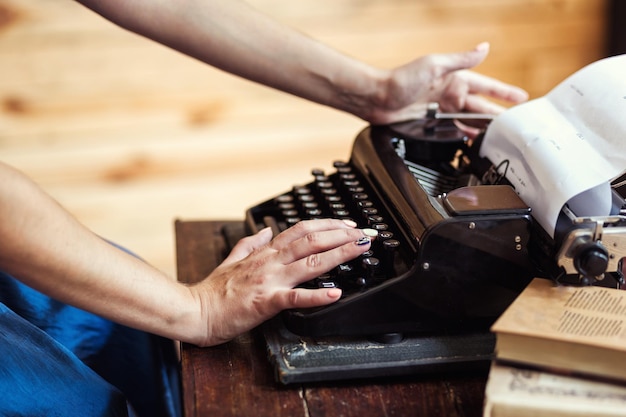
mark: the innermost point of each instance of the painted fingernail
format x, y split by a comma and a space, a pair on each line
363, 241
370, 232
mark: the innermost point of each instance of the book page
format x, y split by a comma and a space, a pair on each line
565, 147
588, 315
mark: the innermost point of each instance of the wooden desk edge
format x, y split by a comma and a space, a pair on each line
243, 380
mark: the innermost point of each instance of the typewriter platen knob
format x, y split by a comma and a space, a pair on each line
591, 260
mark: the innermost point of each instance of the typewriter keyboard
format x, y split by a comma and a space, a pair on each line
343, 195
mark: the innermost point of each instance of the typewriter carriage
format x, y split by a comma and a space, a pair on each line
584, 250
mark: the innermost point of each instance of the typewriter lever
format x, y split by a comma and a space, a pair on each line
595, 247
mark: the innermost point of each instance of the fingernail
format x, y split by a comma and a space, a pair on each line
334, 293
483, 46
370, 232
363, 241
350, 223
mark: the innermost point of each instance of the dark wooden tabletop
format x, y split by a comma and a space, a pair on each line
236, 379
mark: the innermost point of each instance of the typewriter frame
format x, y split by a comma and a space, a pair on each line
469, 248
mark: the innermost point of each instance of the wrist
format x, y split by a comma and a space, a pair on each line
188, 323
368, 96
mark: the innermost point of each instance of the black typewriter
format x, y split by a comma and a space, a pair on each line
456, 243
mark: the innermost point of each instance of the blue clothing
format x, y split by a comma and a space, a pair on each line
57, 360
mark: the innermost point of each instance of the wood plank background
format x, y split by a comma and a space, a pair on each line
129, 135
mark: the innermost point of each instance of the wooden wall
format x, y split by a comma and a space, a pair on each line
130, 135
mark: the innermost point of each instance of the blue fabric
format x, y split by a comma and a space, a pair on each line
59, 360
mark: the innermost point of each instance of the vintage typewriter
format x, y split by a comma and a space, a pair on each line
456, 244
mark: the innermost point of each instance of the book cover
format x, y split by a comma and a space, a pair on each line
577, 329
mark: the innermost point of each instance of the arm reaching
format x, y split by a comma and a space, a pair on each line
47, 249
230, 35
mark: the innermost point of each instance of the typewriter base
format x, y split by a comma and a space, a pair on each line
298, 359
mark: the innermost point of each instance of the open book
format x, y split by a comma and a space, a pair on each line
581, 330
565, 147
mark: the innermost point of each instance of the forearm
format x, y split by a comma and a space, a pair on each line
46, 248
231, 36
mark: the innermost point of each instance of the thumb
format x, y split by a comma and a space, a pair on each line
248, 244
305, 298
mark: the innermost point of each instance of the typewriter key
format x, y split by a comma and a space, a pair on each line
380, 226
371, 265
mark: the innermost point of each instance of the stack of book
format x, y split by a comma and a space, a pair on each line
560, 352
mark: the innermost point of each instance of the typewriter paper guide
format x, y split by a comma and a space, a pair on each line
567, 146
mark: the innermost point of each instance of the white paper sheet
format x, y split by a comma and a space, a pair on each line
566, 147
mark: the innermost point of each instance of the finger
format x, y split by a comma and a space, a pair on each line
302, 298
446, 63
469, 128
318, 263
454, 95
317, 242
478, 104
247, 245
305, 227
491, 87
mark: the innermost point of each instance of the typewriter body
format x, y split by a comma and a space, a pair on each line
456, 243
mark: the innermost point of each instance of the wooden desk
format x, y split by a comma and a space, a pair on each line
235, 379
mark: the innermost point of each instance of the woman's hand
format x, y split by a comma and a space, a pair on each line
256, 281
441, 78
